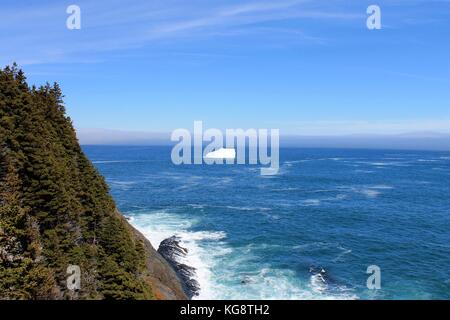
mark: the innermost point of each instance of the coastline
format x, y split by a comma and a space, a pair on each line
260, 262
164, 280
187, 256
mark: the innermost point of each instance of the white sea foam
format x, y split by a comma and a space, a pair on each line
370, 193
196, 206
226, 273
319, 286
291, 163
382, 187
219, 182
204, 247
318, 283
311, 202
341, 255
122, 185
337, 197
272, 216
248, 208
269, 283
380, 164
286, 189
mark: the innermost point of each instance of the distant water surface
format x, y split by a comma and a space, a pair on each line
255, 237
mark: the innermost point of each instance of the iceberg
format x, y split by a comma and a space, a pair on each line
222, 153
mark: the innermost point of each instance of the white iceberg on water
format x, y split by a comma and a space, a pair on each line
222, 153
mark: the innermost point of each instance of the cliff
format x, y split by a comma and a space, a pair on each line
171, 250
165, 282
56, 210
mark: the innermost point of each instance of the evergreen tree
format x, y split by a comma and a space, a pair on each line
55, 208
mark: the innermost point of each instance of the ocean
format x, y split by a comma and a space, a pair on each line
309, 232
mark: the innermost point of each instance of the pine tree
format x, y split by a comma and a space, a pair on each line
55, 208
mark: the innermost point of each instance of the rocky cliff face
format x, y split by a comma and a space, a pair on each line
165, 281
56, 210
174, 253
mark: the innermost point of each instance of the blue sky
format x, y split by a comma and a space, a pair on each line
305, 67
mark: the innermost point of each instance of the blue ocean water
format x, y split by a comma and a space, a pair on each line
256, 237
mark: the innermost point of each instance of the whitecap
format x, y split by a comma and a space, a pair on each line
286, 189
205, 248
382, 187
318, 283
311, 246
223, 272
196, 206
338, 197
122, 185
290, 163
269, 283
312, 202
248, 208
379, 164
370, 193
364, 171
342, 254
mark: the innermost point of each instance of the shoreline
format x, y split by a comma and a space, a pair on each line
166, 283
159, 227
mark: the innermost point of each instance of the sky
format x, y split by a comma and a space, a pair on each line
304, 67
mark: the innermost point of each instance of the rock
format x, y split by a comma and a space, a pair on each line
171, 250
246, 280
321, 279
165, 281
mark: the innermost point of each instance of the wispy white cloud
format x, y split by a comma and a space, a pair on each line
260, 6
37, 34
251, 13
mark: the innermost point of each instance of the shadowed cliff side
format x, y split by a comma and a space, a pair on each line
166, 283
173, 253
56, 210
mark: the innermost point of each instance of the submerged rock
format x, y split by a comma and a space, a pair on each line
320, 280
174, 253
246, 280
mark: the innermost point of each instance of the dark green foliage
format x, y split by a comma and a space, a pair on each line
55, 208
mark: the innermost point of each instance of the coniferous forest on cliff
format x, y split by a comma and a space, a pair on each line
55, 208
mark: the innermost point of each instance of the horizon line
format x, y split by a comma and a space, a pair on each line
414, 141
